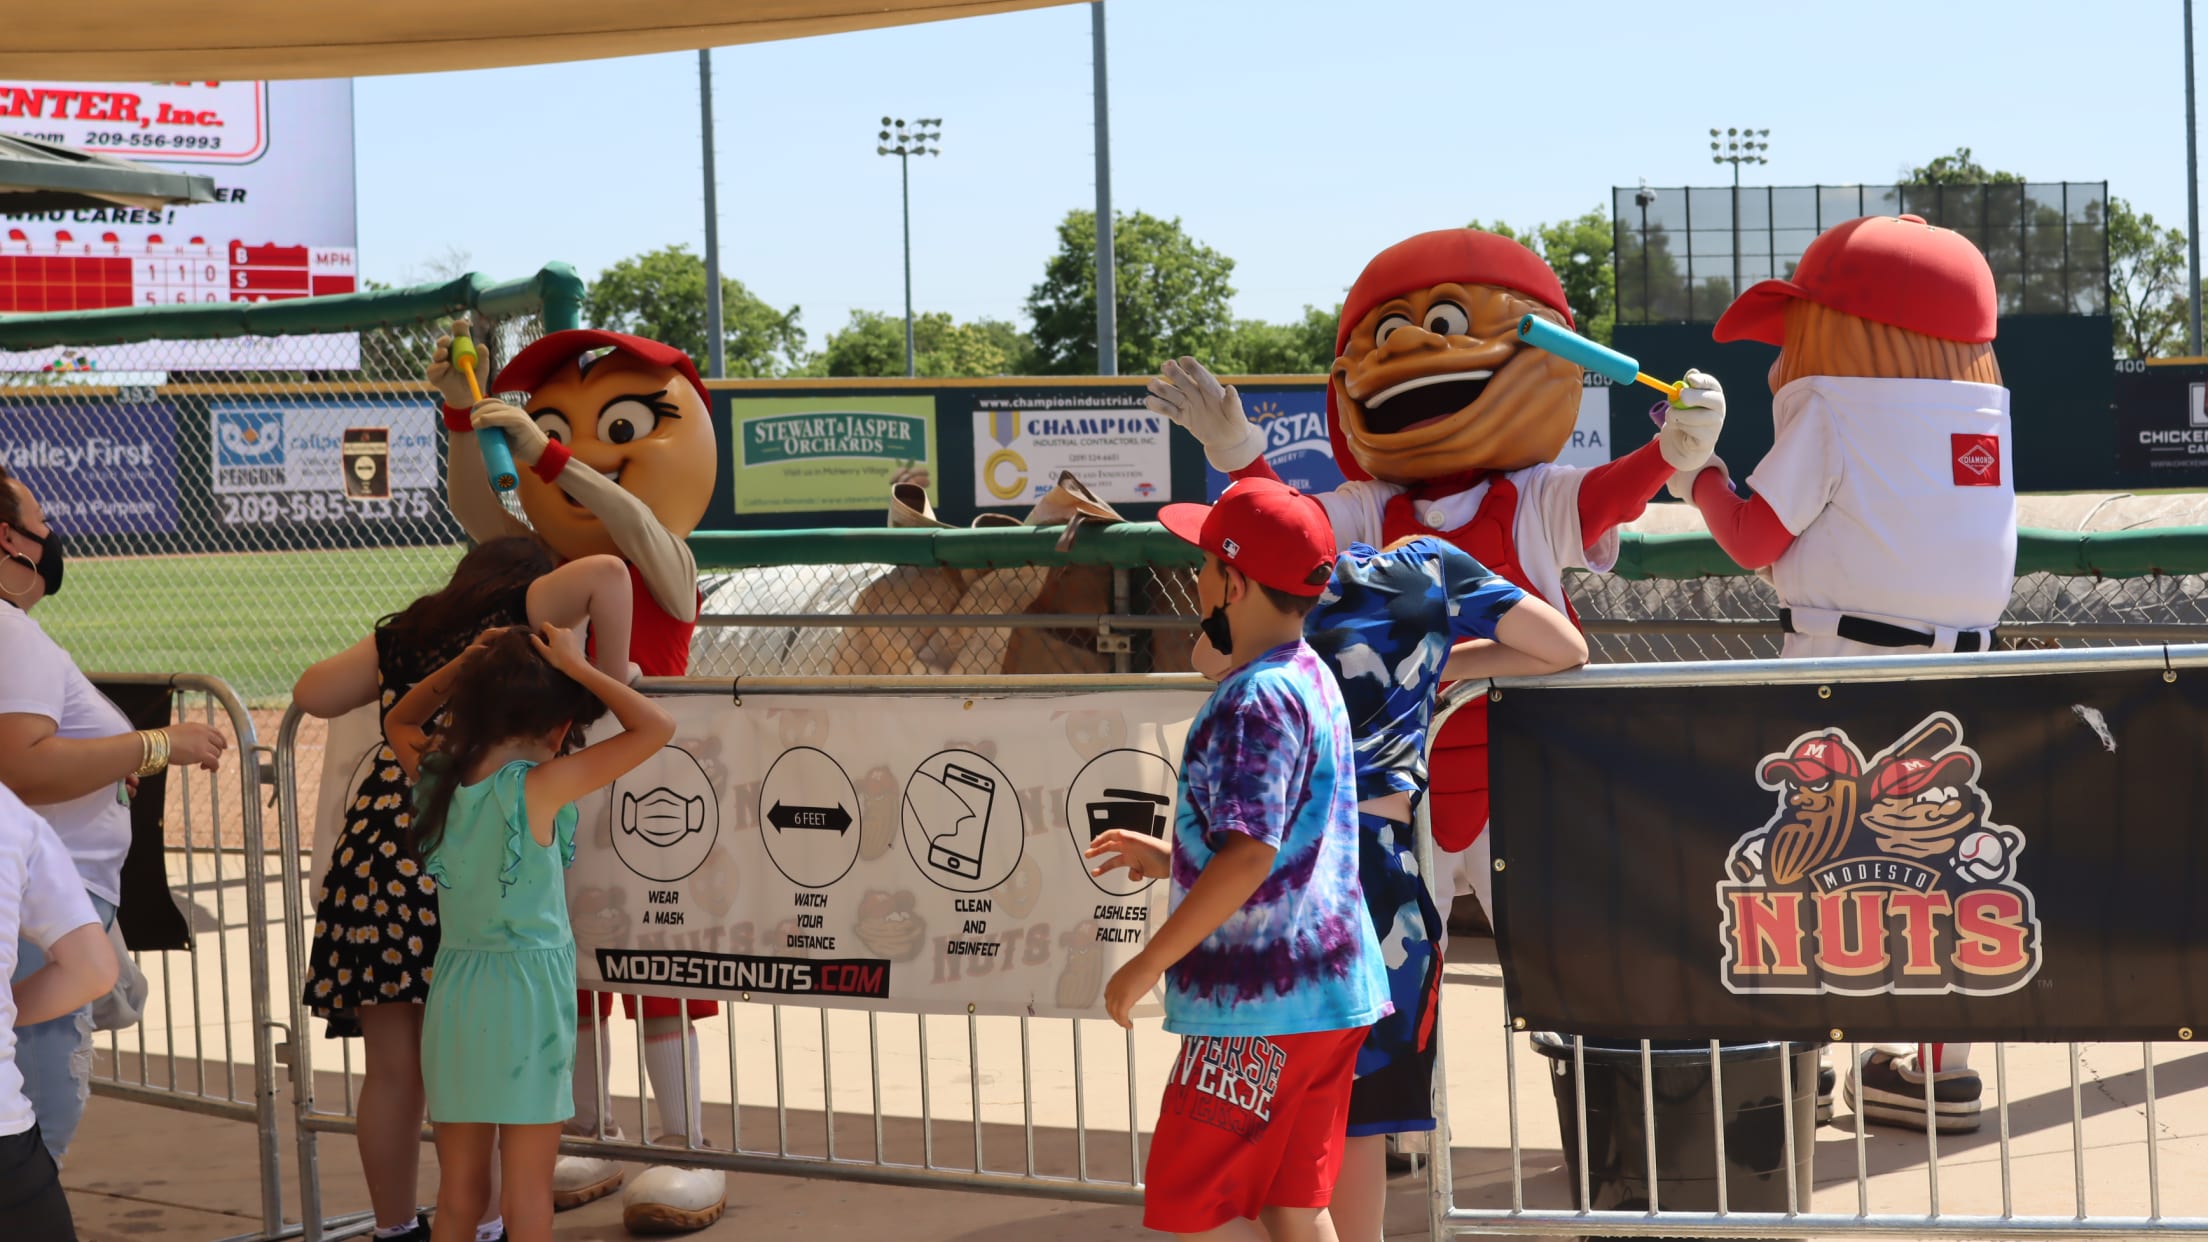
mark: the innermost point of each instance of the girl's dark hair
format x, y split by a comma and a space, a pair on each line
491, 580
506, 692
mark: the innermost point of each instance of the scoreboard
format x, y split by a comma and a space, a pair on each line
59, 269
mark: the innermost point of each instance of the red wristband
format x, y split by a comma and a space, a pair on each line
553, 461
456, 420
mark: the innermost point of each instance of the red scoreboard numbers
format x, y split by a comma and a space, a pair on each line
60, 271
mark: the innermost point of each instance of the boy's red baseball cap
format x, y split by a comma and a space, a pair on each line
1894, 270
1270, 531
546, 354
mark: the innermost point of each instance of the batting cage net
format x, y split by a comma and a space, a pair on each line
246, 487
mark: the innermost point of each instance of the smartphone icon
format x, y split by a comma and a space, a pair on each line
959, 851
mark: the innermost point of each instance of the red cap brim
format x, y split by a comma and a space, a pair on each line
1759, 314
1799, 771
1186, 522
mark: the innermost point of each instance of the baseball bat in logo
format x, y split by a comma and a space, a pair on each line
1886, 876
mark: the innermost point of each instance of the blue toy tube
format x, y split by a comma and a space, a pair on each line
1588, 355
498, 459
498, 455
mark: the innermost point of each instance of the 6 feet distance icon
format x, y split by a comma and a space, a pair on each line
808, 816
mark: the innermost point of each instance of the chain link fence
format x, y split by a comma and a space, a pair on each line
256, 502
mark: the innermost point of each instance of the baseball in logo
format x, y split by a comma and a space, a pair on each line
1887, 876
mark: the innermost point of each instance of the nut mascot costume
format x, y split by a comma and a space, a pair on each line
1445, 424
1884, 515
616, 455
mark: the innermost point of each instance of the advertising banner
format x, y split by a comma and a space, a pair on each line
908, 854
1023, 441
1590, 444
822, 454
282, 225
96, 470
2004, 858
2161, 424
279, 464
902, 853
1297, 446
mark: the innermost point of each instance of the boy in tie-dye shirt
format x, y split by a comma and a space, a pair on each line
1272, 972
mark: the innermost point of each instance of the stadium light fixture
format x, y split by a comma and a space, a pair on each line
1740, 145
910, 140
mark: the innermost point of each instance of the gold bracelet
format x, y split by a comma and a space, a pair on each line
154, 752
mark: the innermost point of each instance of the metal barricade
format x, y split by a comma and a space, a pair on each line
861, 1096
183, 1053
1877, 1157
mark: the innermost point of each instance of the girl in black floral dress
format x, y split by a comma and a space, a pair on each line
375, 932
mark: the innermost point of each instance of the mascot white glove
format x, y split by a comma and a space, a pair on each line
1681, 486
523, 436
451, 384
1209, 410
1691, 425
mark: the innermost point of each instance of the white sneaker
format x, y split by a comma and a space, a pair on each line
577, 1180
669, 1199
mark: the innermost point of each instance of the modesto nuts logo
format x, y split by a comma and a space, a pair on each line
1881, 877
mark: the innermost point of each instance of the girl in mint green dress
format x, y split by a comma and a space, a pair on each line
495, 824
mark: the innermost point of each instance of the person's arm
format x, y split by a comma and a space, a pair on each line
645, 728
1530, 640
1225, 884
80, 968
58, 916
43, 768
661, 556
596, 590
1747, 530
468, 491
405, 727
335, 686
1618, 492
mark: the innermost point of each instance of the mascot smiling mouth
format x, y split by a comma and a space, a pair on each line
1417, 402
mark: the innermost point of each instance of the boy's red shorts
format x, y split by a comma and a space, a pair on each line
1249, 1123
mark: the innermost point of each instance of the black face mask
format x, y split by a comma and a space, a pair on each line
1217, 629
49, 563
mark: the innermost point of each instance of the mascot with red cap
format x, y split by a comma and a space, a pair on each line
1445, 424
617, 454
1884, 515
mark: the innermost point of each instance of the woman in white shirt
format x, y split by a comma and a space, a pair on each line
71, 756
42, 902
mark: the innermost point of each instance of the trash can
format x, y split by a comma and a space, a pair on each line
1686, 1149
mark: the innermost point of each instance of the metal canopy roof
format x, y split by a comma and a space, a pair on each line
41, 176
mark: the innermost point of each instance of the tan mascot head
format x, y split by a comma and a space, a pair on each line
631, 409
1429, 377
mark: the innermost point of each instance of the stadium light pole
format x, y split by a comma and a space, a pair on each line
2192, 199
1741, 146
713, 332
910, 142
1107, 282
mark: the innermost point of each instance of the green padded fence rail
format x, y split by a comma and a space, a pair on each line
556, 289
2106, 554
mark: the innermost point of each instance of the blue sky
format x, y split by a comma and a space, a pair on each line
1297, 137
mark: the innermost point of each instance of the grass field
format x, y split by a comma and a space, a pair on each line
254, 619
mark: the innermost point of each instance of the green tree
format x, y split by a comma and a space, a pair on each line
1172, 295
1579, 251
873, 343
2146, 283
1959, 168
661, 295
1305, 347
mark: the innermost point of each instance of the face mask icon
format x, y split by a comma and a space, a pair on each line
661, 817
